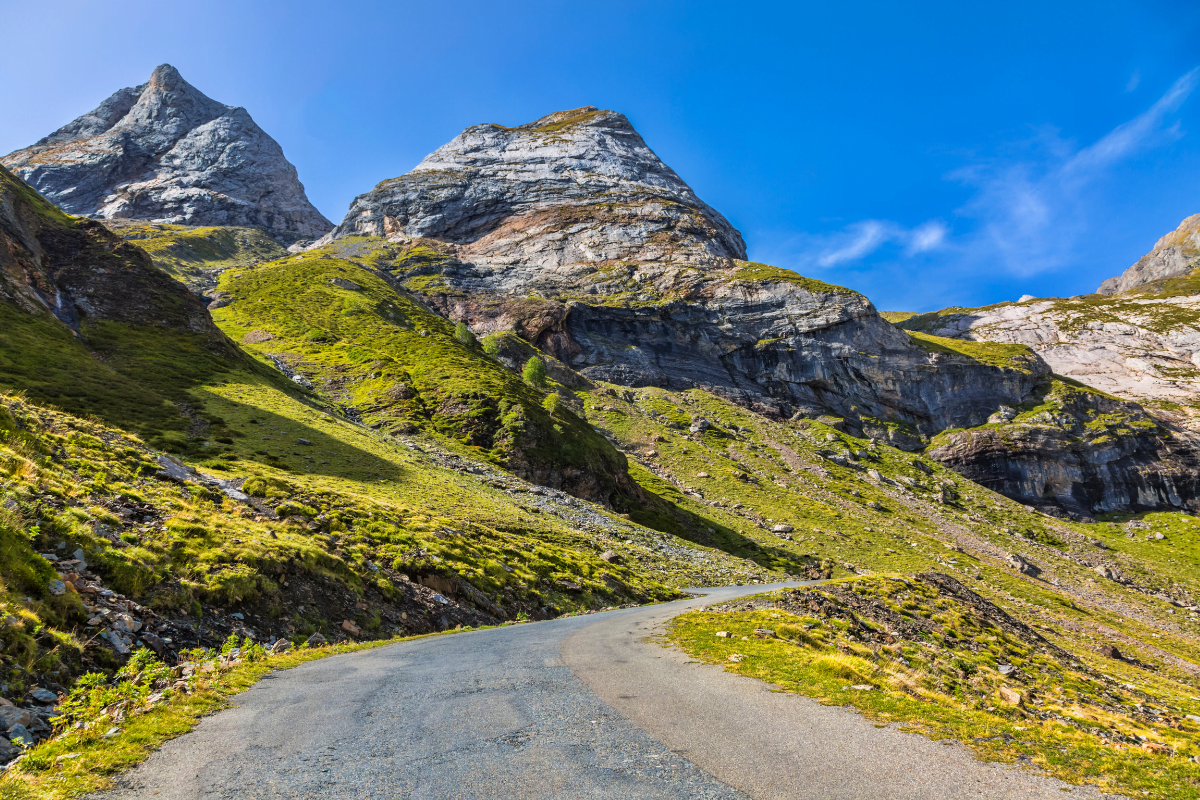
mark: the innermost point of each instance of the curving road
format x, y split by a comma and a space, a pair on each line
582, 707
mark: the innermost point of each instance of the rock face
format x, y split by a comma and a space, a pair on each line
570, 231
1082, 454
77, 270
1140, 348
1175, 254
573, 186
163, 151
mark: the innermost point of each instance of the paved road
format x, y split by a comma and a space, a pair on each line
574, 708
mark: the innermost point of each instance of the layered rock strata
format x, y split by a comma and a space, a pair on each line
163, 151
572, 232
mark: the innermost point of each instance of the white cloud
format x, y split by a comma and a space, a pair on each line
1031, 210
861, 239
1134, 80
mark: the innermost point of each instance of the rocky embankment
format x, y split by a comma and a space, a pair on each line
77, 270
163, 151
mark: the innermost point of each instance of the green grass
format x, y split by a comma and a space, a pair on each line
754, 271
193, 253
1009, 356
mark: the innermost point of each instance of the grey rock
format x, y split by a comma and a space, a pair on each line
154, 643
342, 283
57, 588
281, 646
1024, 565
304, 442
20, 734
1175, 254
782, 529
7, 751
163, 151
317, 640
649, 283
12, 715
1106, 571
44, 696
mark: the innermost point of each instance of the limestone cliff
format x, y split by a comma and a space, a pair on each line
572, 232
163, 151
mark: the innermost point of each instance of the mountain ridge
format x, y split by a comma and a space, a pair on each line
164, 151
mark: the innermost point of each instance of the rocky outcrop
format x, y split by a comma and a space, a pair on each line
573, 233
574, 186
1141, 348
1079, 453
1175, 254
163, 151
76, 270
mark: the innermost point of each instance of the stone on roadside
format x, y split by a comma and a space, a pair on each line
316, 640
351, 628
281, 646
43, 696
19, 734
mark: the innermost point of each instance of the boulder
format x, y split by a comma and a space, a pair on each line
1024, 565
1110, 651
1011, 696
281, 646
350, 628
316, 640
782, 529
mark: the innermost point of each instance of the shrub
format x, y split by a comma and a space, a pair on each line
464, 335
491, 345
535, 372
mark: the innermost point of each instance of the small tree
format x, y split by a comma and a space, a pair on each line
491, 344
552, 402
535, 372
464, 335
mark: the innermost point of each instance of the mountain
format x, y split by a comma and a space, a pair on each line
165, 152
1138, 338
1175, 254
570, 231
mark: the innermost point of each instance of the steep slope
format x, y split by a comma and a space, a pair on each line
196, 255
163, 151
572, 233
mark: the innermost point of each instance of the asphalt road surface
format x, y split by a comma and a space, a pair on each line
582, 707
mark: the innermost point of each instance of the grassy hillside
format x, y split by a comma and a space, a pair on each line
197, 254
364, 472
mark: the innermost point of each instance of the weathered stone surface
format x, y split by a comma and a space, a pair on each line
1139, 348
78, 269
571, 232
163, 151
1175, 254
1095, 454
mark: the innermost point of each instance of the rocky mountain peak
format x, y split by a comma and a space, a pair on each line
164, 151
1175, 254
578, 186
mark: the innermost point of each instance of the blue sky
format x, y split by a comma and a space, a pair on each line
925, 154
